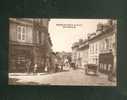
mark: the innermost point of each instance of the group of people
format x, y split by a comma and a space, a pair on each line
37, 67
65, 64
56, 65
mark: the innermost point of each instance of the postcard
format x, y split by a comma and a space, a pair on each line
62, 52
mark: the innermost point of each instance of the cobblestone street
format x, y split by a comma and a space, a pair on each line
71, 77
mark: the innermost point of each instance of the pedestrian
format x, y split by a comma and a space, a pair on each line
42, 65
47, 68
35, 69
56, 65
53, 63
110, 74
28, 64
62, 64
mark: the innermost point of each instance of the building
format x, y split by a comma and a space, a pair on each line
83, 52
93, 51
99, 49
42, 44
75, 54
80, 53
28, 40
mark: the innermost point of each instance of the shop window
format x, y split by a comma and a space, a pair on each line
109, 67
105, 67
101, 66
20, 59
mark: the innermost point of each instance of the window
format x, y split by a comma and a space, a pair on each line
103, 46
96, 47
93, 48
107, 43
21, 33
20, 59
110, 42
37, 36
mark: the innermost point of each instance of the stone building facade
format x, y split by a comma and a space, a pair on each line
101, 48
28, 40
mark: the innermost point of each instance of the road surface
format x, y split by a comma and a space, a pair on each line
71, 77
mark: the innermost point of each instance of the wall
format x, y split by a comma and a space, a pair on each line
93, 52
84, 56
99, 45
12, 32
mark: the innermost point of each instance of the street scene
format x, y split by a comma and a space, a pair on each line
62, 52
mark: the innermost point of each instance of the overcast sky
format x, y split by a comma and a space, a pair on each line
63, 37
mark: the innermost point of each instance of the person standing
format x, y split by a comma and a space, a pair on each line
62, 64
47, 68
35, 69
28, 64
110, 73
56, 65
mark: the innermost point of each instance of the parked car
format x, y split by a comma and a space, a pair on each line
91, 69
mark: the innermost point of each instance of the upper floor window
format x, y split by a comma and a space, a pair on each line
38, 37
21, 33
96, 47
93, 48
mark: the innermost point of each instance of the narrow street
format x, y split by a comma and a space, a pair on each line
40, 48
70, 77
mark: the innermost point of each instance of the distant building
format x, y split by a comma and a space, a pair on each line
83, 50
64, 55
75, 54
28, 40
80, 53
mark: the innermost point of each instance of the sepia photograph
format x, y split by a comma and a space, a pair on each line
62, 52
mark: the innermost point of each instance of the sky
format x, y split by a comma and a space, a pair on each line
63, 34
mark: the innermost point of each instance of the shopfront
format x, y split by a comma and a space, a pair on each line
105, 62
18, 56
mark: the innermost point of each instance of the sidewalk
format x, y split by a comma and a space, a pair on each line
72, 77
105, 76
42, 73
26, 74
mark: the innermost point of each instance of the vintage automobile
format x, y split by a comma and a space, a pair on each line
91, 69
